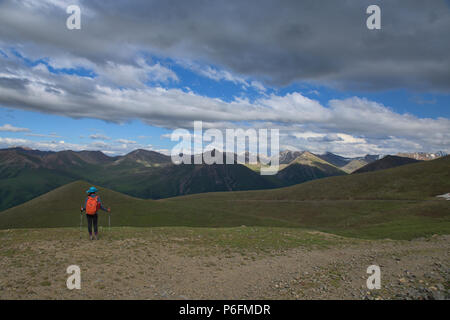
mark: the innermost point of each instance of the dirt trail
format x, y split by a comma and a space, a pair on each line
137, 268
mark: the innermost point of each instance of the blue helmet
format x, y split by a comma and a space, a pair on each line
91, 190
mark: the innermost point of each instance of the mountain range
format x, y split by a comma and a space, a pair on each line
26, 174
422, 155
395, 203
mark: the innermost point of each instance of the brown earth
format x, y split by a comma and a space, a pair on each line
184, 263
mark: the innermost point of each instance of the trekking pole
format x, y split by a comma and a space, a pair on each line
109, 225
81, 222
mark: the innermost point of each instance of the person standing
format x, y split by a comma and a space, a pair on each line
91, 205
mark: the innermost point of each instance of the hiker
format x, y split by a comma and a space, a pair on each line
91, 206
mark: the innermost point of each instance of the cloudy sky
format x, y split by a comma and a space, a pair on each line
137, 70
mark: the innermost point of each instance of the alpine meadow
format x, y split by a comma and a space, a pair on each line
232, 157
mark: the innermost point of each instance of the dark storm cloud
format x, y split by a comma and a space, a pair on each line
17, 84
278, 41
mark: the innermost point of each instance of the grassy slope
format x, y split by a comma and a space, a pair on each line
418, 181
19, 184
396, 203
60, 208
184, 179
298, 173
25, 184
24, 175
353, 166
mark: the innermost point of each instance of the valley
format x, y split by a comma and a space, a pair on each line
25, 173
312, 240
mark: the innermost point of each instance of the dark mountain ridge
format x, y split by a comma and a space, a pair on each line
386, 163
25, 173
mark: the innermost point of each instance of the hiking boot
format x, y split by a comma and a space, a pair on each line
96, 237
91, 237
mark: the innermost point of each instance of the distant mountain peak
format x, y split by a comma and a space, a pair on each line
287, 156
386, 162
422, 155
145, 157
334, 159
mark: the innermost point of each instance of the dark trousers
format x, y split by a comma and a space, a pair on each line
92, 219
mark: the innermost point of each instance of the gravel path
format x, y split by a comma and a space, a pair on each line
137, 268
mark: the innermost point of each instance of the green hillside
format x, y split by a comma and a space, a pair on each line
354, 165
173, 180
20, 185
398, 203
298, 173
26, 174
417, 181
298, 167
60, 208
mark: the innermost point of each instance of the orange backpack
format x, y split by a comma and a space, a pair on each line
92, 205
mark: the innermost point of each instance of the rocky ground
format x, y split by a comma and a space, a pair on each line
192, 264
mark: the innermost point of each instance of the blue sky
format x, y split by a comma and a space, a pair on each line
129, 88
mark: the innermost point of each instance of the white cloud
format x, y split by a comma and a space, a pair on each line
41, 145
43, 135
110, 147
258, 85
125, 141
346, 138
12, 142
99, 136
350, 124
9, 128
213, 73
134, 75
307, 134
222, 75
